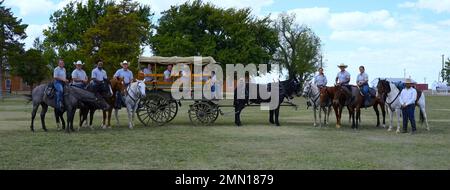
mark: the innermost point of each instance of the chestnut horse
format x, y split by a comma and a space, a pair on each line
327, 95
354, 100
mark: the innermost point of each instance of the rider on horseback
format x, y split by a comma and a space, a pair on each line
79, 77
362, 80
99, 76
320, 80
127, 76
59, 74
343, 79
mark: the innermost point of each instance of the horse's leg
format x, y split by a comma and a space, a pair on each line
328, 115
320, 116
43, 112
277, 116
116, 115
33, 115
91, 117
237, 115
424, 115
398, 119
271, 117
377, 112
130, 116
82, 118
338, 116
57, 118
109, 117
315, 116
104, 118
383, 112
391, 118
69, 118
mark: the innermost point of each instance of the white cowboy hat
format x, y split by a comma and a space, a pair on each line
78, 63
124, 62
343, 65
409, 81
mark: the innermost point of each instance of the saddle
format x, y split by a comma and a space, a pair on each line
50, 90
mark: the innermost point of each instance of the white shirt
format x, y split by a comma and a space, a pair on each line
167, 75
320, 80
148, 71
98, 74
59, 72
126, 75
408, 96
79, 74
343, 77
362, 78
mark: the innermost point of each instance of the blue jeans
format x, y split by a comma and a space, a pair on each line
408, 114
365, 90
59, 88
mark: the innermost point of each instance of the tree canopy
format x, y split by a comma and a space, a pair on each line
99, 29
12, 32
201, 29
299, 48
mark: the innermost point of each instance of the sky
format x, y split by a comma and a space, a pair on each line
391, 38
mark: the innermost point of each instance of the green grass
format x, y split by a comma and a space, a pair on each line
257, 145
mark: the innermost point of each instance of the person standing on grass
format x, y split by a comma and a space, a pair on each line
407, 99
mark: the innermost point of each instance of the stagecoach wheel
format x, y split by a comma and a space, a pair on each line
203, 113
157, 109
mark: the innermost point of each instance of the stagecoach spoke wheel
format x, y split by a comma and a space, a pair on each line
203, 113
157, 109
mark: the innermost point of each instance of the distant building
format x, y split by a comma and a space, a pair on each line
14, 84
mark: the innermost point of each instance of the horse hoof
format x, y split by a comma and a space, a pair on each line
338, 126
398, 131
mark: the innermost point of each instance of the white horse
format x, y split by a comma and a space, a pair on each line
393, 105
134, 92
312, 94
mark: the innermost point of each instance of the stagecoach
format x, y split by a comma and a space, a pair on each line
159, 107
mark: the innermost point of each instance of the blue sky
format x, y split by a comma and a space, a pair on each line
386, 36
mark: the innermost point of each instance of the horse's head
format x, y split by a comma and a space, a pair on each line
101, 103
117, 84
340, 95
383, 88
307, 89
140, 87
295, 86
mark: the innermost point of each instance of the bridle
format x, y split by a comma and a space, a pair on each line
386, 93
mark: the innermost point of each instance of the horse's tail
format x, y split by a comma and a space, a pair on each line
422, 117
28, 97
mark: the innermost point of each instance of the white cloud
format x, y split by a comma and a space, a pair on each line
311, 16
37, 7
34, 31
438, 6
354, 20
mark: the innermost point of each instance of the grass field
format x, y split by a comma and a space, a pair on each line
257, 145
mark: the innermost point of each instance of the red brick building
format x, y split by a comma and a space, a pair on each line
14, 84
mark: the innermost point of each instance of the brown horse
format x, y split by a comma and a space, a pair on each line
354, 100
116, 86
327, 95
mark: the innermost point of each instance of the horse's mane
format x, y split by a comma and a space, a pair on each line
79, 93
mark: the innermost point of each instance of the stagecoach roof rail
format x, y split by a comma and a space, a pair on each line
174, 60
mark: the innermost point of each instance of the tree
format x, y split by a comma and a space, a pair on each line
118, 35
299, 48
85, 31
32, 67
64, 36
229, 35
12, 31
446, 72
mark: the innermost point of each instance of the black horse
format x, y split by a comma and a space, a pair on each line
104, 90
286, 91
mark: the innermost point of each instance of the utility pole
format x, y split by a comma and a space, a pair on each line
404, 73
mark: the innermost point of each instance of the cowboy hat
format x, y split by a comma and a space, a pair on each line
124, 62
409, 81
343, 65
78, 63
